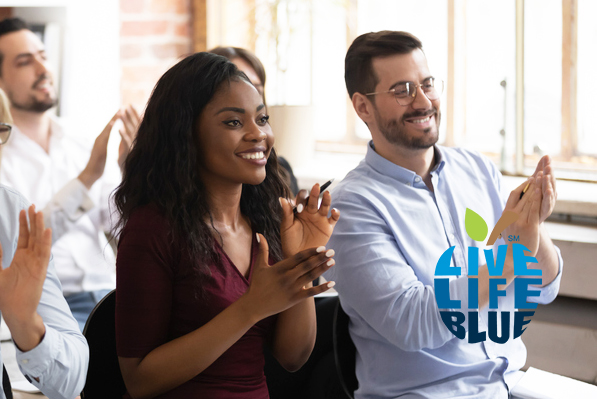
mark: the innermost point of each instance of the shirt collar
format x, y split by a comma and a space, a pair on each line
55, 128
397, 172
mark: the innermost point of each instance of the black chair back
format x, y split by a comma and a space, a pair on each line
345, 352
104, 380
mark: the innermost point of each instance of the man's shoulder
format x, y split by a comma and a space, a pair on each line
460, 157
11, 199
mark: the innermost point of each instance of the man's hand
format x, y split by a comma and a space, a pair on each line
130, 120
528, 208
544, 174
310, 227
21, 284
97, 160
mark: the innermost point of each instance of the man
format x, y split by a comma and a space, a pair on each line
50, 350
402, 207
57, 172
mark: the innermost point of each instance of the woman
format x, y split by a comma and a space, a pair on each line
253, 68
202, 220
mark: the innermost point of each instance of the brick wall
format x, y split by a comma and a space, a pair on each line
154, 34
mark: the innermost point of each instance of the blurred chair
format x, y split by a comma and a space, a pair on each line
318, 378
104, 380
344, 352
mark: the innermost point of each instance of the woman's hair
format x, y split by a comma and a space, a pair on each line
163, 165
250, 58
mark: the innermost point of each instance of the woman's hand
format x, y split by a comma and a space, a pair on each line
278, 287
310, 227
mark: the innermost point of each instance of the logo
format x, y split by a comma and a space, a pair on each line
477, 229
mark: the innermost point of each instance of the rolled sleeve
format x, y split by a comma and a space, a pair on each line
66, 207
550, 291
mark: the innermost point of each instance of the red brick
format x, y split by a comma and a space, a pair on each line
170, 6
143, 28
129, 51
170, 50
132, 6
183, 29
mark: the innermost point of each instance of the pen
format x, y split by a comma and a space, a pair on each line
524, 190
323, 187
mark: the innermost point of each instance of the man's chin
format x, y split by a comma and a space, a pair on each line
36, 106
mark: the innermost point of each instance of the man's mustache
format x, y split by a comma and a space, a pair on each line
43, 77
422, 114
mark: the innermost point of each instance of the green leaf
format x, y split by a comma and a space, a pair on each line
476, 227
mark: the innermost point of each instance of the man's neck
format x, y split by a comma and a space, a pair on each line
420, 161
35, 125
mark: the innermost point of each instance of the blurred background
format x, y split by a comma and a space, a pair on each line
519, 84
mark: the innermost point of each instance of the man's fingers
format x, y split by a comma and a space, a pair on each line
23, 240
32, 226
514, 197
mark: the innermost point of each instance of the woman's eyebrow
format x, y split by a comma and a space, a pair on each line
233, 109
259, 108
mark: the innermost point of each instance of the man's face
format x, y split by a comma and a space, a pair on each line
414, 126
26, 77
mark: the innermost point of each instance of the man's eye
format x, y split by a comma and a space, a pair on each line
233, 123
401, 91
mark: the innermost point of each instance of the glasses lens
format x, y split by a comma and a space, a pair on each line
404, 93
4, 133
433, 88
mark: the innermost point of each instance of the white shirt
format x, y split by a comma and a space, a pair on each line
78, 217
58, 365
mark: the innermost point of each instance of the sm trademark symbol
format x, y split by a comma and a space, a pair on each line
513, 238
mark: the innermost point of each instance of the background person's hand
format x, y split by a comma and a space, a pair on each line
130, 124
276, 288
310, 227
21, 284
99, 153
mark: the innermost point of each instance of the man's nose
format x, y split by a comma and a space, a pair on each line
421, 101
41, 66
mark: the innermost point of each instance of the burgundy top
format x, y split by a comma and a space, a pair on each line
156, 302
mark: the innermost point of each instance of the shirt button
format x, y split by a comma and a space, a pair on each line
452, 237
25, 361
417, 179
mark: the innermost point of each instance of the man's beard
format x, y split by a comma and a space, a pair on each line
34, 105
395, 131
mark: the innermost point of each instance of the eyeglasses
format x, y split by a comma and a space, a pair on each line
5, 130
406, 92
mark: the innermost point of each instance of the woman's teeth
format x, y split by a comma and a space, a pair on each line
253, 155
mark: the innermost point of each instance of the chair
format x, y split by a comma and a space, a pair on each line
104, 380
344, 352
318, 378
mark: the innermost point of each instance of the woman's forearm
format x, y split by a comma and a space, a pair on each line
176, 362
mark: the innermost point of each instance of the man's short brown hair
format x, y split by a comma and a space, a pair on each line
358, 67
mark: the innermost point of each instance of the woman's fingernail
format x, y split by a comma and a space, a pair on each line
330, 253
299, 208
330, 262
258, 240
330, 284
320, 249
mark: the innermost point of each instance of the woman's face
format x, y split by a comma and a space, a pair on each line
235, 137
245, 67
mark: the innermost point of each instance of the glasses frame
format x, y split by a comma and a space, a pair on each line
411, 98
9, 126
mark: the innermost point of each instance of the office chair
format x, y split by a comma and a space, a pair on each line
104, 380
344, 352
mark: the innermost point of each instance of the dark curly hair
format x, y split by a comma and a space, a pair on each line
162, 167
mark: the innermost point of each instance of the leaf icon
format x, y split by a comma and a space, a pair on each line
476, 227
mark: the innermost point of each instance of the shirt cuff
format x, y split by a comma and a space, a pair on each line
38, 360
550, 291
73, 199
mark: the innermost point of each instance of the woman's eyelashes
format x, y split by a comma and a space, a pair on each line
261, 121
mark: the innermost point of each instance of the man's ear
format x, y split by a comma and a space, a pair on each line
363, 107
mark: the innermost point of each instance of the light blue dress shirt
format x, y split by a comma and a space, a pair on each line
392, 232
58, 365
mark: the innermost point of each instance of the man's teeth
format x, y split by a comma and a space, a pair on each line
253, 155
421, 120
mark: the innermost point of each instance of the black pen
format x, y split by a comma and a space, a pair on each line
525, 189
323, 187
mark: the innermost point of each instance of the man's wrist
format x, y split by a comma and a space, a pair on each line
87, 179
26, 334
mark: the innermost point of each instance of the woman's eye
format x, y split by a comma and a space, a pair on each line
264, 119
233, 123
